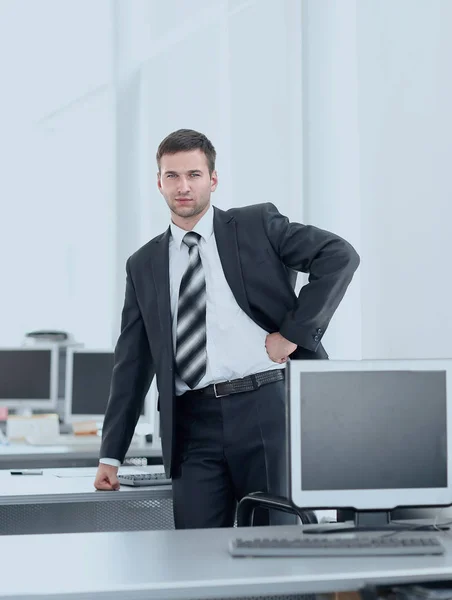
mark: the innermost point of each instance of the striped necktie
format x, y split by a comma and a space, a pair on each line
191, 356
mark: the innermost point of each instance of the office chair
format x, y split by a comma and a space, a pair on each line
249, 503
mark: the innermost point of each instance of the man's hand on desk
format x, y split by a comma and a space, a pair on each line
278, 348
106, 478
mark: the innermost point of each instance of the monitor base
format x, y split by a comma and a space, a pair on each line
373, 521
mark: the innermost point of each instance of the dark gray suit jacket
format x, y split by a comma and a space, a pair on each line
260, 251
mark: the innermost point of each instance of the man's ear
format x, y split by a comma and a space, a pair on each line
213, 181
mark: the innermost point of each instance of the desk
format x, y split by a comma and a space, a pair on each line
26, 456
188, 564
65, 501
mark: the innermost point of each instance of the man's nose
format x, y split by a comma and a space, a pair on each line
183, 185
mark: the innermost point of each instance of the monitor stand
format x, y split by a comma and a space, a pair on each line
369, 520
379, 520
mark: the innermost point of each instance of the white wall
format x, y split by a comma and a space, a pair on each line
56, 149
378, 141
331, 147
405, 100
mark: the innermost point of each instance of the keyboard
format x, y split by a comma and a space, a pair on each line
334, 546
142, 479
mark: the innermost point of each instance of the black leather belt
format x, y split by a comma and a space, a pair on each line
237, 386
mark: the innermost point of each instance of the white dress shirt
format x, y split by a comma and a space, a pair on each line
235, 343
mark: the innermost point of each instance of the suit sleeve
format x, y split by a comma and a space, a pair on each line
330, 262
133, 372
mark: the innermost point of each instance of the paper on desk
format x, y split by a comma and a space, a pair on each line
76, 475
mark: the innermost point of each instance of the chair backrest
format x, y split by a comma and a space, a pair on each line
249, 503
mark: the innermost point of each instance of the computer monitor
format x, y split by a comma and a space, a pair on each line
370, 435
29, 377
88, 379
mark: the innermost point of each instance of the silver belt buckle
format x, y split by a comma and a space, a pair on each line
215, 392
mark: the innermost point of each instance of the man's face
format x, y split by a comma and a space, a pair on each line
185, 183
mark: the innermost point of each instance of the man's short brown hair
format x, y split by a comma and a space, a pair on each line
185, 140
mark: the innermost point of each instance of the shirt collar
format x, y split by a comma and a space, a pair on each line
204, 227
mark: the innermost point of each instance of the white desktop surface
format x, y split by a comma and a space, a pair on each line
21, 454
189, 564
21, 447
67, 485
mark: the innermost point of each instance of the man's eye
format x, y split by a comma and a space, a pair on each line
195, 174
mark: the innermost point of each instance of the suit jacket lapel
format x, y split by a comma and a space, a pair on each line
225, 228
160, 271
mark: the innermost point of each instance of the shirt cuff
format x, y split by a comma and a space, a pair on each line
114, 462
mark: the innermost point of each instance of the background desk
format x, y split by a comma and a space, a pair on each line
65, 501
26, 456
188, 564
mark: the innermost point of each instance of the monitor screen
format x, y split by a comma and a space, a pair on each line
89, 378
363, 433
28, 377
398, 419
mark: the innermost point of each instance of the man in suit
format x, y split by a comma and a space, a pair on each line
210, 309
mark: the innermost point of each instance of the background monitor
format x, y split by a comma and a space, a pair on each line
370, 435
29, 377
88, 379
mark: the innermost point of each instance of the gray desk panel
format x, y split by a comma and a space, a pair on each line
189, 564
65, 501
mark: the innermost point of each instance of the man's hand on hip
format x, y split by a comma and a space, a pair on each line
106, 478
278, 348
